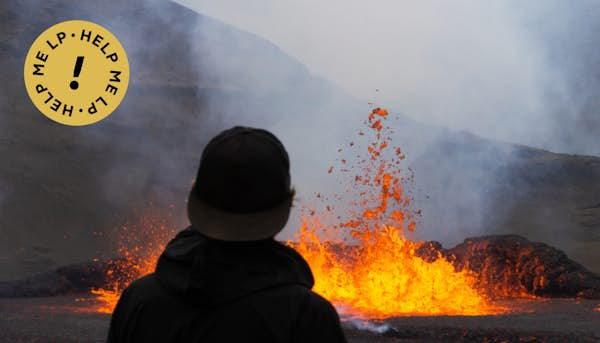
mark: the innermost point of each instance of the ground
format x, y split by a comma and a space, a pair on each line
62, 319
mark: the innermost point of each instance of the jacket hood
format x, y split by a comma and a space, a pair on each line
210, 272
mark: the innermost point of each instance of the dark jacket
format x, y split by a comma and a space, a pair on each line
204, 290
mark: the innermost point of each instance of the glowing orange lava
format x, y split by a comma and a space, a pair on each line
381, 275
139, 246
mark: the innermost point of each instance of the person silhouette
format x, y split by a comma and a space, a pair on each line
225, 278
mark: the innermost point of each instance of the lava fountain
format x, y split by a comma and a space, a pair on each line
380, 273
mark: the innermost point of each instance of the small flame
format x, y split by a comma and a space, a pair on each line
139, 247
107, 298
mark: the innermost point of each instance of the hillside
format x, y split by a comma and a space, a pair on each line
192, 76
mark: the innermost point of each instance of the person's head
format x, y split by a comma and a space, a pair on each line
242, 190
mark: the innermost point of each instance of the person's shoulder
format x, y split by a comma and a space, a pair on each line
144, 282
304, 295
143, 288
307, 301
318, 321
317, 303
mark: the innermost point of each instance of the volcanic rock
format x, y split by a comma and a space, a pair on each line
511, 265
75, 278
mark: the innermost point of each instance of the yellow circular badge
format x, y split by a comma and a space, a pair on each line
76, 72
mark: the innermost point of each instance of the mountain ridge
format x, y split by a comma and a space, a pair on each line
60, 186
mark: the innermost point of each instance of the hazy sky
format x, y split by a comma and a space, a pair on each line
481, 66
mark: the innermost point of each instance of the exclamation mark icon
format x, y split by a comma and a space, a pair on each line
78, 64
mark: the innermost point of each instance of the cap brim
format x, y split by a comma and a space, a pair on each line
227, 226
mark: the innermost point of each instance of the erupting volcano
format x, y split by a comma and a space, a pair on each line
364, 258
368, 267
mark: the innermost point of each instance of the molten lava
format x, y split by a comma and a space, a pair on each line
380, 274
383, 277
139, 246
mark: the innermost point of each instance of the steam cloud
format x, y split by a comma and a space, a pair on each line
508, 70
